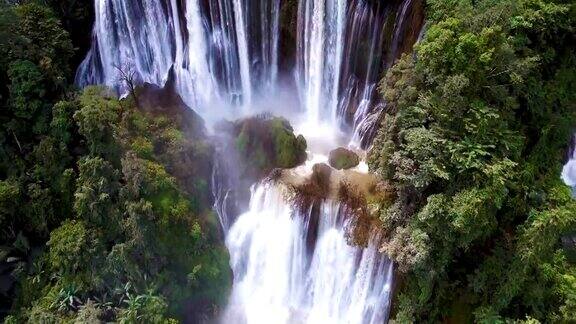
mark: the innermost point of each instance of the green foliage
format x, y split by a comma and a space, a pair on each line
143, 147
31, 33
44, 41
132, 238
101, 210
97, 121
473, 140
39, 211
34, 55
62, 125
8, 38
53, 158
9, 197
71, 247
96, 193
144, 309
26, 89
100, 217
288, 148
342, 158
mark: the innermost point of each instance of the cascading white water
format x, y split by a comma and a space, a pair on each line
225, 53
270, 33
209, 49
321, 32
365, 22
340, 60
569, 169
367, 115
242, 38
125, 32
289, 270
193, 76
289, 266
147, 37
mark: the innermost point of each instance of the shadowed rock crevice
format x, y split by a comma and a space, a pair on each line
357, 197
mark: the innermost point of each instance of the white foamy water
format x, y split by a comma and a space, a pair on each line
569, 170
321, 35
209, 45
569, 173
290, 267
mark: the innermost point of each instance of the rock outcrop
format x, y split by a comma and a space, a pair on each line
343, 159
183, 143
265, 142
166, 102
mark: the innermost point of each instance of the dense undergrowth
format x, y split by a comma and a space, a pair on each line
476, 131
94, 224
104, 211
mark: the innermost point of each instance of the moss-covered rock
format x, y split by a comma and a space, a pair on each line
343, 159
265, 143
175, 135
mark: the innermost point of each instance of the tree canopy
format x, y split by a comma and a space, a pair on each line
94, 227
473, 139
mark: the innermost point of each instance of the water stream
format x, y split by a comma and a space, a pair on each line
290, 265
281, 277
569, 170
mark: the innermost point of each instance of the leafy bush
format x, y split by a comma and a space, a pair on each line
473, 140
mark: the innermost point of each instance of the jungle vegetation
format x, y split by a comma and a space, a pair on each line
97, 221
473, 140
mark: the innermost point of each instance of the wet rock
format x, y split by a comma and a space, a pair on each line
343, 159
321, 176
288, 34
265, 142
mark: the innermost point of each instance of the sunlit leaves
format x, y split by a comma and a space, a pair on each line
473, 138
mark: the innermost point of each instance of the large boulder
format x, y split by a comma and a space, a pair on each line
343, 159
265, 143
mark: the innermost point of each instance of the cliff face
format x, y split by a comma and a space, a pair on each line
288, 34
358, 196
405, 31
190, 162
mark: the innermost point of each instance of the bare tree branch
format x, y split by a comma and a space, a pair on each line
127, 75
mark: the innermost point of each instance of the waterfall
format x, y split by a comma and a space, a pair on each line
194, 78
141, 34
224, 53
320, 40
222, 56
296, 267
147, 37
269, 43
206, 43
344, 46
243, 50
569, 170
